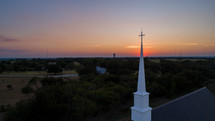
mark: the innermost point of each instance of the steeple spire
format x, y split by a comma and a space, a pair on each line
141, 76
141, 110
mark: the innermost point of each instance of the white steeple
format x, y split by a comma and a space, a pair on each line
141, 110
141, 76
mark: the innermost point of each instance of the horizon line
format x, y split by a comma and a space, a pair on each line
2, 58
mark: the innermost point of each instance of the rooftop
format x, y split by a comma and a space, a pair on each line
196, 106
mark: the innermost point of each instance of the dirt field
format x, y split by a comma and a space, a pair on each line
13, 95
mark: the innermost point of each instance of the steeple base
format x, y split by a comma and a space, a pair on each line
138, 114
141, 110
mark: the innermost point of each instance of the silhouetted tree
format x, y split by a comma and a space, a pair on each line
9, 86
34, 81
27, 90
54, 69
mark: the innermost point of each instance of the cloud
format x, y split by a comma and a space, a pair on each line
5, 39
12, 50
1, 37
209, 45
131, 46
188, 44
192, 44
10, 40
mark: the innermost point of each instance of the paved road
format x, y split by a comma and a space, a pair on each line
66, 75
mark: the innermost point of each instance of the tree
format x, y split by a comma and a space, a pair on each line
87, 69
54, 69
2, 108
9, 86
27, 90
1, 70
52, 82
70, 66
34, 82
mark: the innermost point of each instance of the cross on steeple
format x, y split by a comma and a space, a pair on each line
141, 50
142, 36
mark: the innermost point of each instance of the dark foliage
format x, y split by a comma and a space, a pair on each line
52, 81
9, 86
55, 69
66, 100
27, 90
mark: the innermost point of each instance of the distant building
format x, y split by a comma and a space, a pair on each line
100, 70
114, 55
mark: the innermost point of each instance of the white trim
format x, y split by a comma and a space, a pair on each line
141, 94
141, 110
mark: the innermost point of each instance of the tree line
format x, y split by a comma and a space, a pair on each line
80, 100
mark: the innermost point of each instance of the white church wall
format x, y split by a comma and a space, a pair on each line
141, 114
141, 101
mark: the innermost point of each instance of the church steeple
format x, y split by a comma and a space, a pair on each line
141, 110
141, 76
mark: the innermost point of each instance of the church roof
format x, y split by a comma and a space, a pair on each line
196, 106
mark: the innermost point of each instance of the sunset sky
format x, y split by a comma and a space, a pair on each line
99, 28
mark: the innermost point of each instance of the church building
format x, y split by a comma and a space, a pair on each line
195, 106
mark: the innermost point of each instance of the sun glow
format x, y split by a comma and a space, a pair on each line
93, 29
